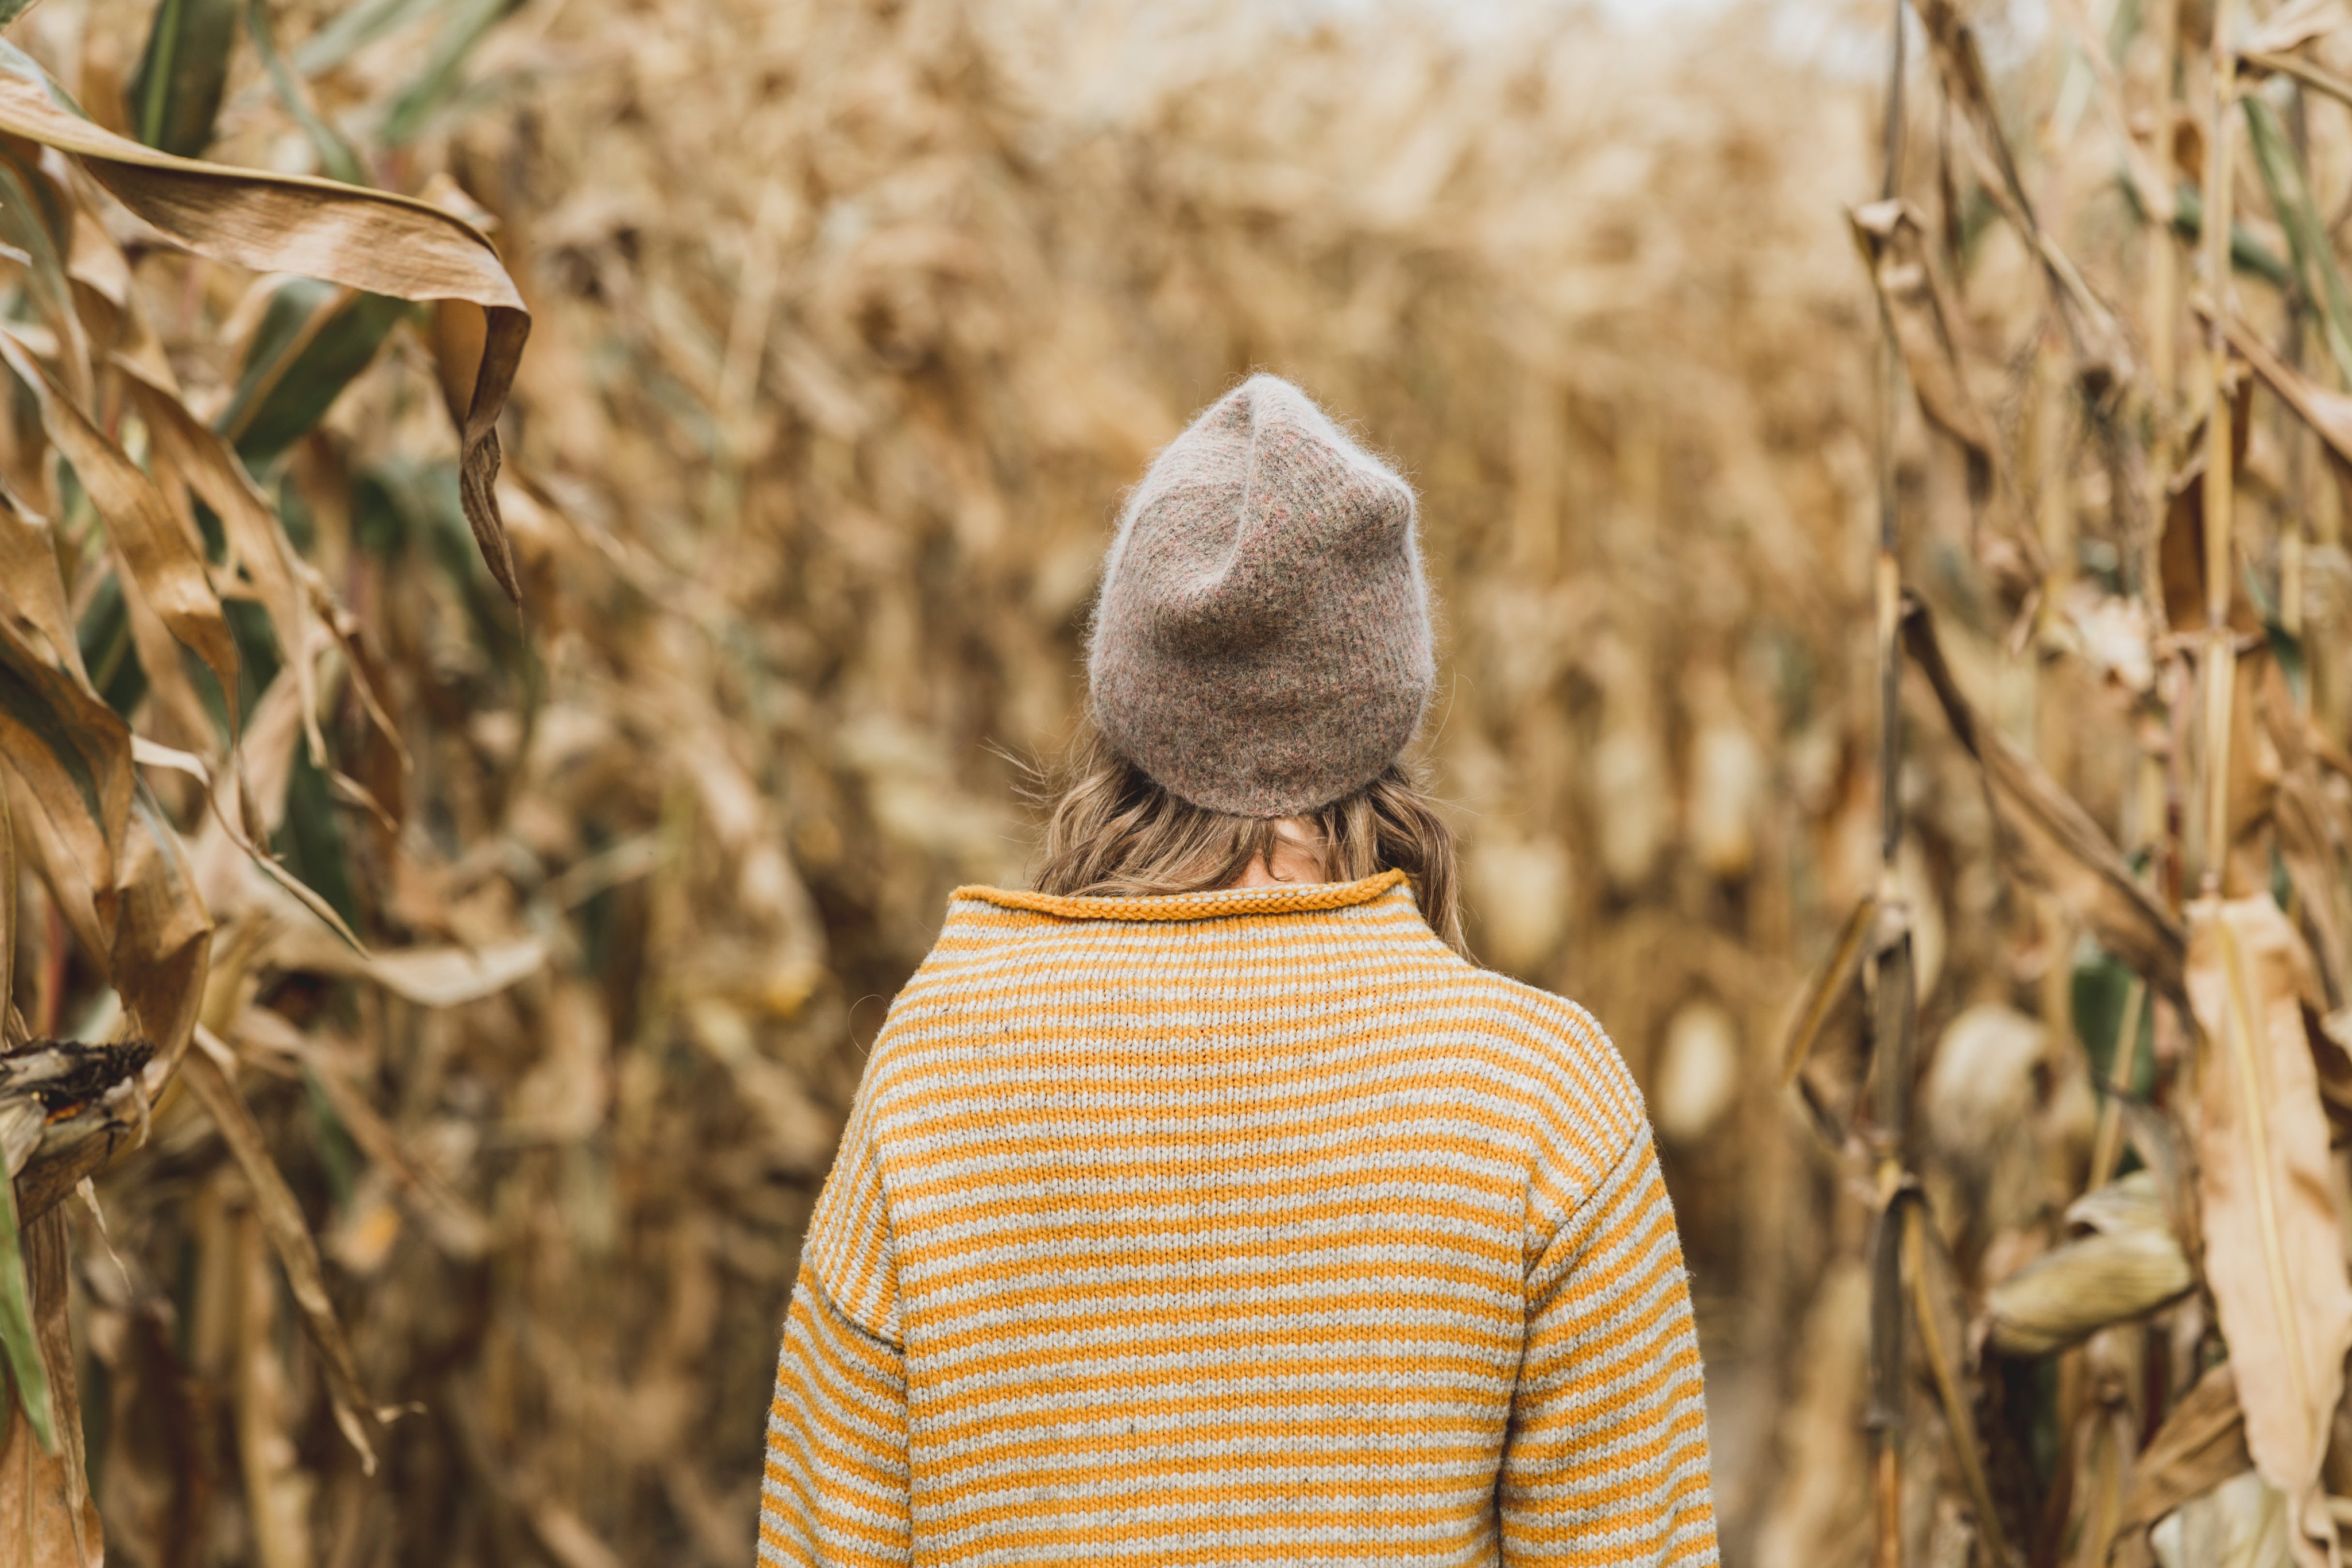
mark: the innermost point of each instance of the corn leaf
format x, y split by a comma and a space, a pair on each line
209, 466
2306, 230
37, 592
49, 1515
2275, 1256
2248, 254
1918, 316
107, 650
290, 1237
354, 28
314, 340
2050, 839
9, 1034
367, 240
1892, 241
35, 220
2296, 24
2201, 1444
162, 931
2326, 411
336, 155
72, 751
175, 95
157, 552
2097, 340
19, 1344
438, 82
1828, 987
1937, 1313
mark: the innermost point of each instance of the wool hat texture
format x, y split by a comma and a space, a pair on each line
1262, 643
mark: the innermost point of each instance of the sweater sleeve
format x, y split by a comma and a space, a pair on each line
837, 1486
1606, 1460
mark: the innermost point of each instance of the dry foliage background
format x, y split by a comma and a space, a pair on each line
850, 322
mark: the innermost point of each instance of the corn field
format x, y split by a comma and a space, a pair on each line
539, 538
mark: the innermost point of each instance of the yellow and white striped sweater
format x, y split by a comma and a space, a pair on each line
1239, 1227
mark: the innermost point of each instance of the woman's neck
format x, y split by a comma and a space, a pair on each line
1298, 857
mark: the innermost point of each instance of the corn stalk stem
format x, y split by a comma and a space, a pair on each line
2220, 494
1889, 974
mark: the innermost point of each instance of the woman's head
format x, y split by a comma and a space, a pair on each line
1262, 642
1262, 655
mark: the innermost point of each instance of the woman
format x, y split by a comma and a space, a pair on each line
1205, 1205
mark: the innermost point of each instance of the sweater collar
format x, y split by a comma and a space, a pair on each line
1288, 898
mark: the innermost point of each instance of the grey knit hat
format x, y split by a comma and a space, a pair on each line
1262, 646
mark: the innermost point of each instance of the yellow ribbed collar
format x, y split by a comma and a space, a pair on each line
1288, 899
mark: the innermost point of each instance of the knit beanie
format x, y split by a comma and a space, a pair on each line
1262, 643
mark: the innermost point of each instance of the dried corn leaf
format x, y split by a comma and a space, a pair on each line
2201, 1444
36, 223
1893, 239
2102, 358
205, 461
149, 754
156, 551
285, 222
2180, 554
458, 1227
171, 688
1830, 984
2052, 841
71, 750
290, 1237
162, 932
430, 976
2326, 411
37, 594
2297, 23
2318, 77
2275, 1256
1937, 1314
2302, 812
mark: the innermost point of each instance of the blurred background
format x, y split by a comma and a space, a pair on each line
851, 322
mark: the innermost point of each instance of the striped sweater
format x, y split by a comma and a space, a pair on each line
1237, 1227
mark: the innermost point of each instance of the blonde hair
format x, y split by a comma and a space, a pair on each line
1112, 832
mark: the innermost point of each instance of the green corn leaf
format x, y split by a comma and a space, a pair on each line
107, 650
311, 843
335, 154
17, 1340
2099, 985
313, 341
2247, 253
2321, 280
175, 95
35, 219
437, 86
354, 28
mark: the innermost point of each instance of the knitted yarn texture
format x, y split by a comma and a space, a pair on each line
1252, 1226
1262, 643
